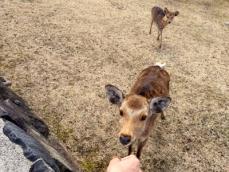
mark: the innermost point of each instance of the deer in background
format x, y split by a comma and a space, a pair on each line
139, 109
161, 18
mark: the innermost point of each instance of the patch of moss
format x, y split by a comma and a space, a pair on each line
64, 134
88, 165
92, 164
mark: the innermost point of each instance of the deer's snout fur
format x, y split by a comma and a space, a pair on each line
148, 97
161, 18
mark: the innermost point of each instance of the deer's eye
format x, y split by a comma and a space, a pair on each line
143, 117
121, 113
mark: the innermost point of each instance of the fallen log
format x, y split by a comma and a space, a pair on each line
26, 129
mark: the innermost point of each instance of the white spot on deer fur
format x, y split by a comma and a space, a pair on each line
161, 65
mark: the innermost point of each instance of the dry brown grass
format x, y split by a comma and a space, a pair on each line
60, 54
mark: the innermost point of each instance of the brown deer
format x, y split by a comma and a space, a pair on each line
148, 96
162, 18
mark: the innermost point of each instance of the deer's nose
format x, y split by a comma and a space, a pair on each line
125, 139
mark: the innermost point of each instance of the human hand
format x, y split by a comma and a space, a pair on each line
127, 164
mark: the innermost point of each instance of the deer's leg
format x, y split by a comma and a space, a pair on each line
158, 34
162, 116
151, 26
160, 39
139, 149
129, 149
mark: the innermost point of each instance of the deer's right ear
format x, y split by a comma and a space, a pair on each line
115, 95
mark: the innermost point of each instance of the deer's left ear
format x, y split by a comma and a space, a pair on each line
176, 13
159, 104
166, 10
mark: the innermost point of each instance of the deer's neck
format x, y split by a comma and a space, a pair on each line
148, 126
163, 23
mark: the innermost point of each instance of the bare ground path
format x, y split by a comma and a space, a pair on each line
60, 54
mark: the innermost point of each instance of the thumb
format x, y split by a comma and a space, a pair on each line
113, 162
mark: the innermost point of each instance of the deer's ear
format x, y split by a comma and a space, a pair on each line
166, 10
176, 13
159, 104
114, 95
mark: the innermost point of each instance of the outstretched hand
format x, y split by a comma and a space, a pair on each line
127, 164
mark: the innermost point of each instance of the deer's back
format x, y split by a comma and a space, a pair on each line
152, 82
157, 14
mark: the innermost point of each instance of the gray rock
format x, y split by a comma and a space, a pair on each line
40, 166
32, 149
5, 82
7, 93
11, 155
27, 130
22, 117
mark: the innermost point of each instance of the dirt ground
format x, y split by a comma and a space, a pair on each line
59, 54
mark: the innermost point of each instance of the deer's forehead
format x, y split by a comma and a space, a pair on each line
170, 14
135, 102
134, 109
